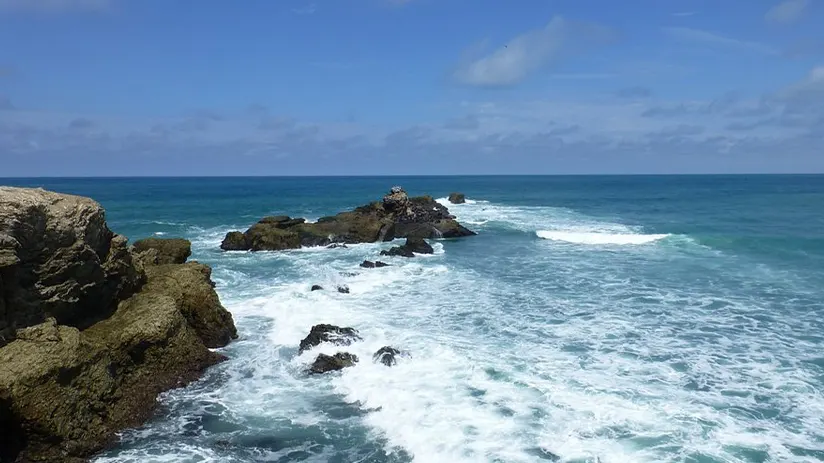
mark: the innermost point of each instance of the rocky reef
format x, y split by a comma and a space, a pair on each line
91, 330
396, 216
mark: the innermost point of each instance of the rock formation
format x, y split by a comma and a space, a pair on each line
387, 355
370, 264
397, 216
91, 330
328, 333
410, 248
457, 198
326, 363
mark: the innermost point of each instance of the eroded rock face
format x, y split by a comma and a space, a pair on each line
328, 333
396, 216
96, 332
326, 363
59, 259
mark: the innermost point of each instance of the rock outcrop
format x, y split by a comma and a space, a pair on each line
396, 216
457, 198
326, 363
92, 329
328, 333
410, 248
370, 264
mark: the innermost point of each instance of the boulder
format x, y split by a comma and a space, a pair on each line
386, 355
337, 245
328, 333
169, 251
326, 363
316, 288
457, 198
92, 333
343, 289
396, 216
399, 251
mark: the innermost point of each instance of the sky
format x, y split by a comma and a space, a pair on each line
410, 87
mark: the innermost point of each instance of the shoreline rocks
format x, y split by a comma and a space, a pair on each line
91, 331
370, 264
322, 333
396, 216
457, 198
386, 355
326, 363
410, 248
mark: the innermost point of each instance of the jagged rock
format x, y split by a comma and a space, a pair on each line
169, 251
343, 289
316, 288
397, 216
337, 245
412, 246
370, 264
328, 333
387, 355
98, 333
457, 198
326, 363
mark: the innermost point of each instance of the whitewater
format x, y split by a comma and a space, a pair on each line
550, 336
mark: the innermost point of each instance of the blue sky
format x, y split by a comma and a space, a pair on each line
326, 87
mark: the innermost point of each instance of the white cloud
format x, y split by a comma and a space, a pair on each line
530, 52
687, 34
54, 5
786, 12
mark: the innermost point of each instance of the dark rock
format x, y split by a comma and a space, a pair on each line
370, 264
328, 333
235, 241
343, 289
316, 288
96, 334
169, 251
457, 198
412, 246
396, 216
337, 245
387, 355
326, 363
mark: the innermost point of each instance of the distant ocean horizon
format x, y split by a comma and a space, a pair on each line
594, 318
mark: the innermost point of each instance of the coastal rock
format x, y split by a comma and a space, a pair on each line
457, 198
316, 288
59, 259
336, 246
386, 355
370, 264
96, 333
326, 363
396, 216
328, 333
344, 289
412, 246
169, 250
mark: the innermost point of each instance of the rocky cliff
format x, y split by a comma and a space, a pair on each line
90, 329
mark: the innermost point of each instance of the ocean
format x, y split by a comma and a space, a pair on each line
592, 319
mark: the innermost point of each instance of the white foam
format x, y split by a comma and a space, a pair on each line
599, 238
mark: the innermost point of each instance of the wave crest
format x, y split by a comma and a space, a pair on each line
599, 238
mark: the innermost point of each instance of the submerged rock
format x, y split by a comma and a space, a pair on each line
387, 355
326, 363
343, 289
93, 332
412, 246
457, 198
328, 333
370, 264
316, 288
396, 216
337, 246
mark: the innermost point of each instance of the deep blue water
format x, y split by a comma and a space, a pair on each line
611, 319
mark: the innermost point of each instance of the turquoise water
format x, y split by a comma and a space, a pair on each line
608, 319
